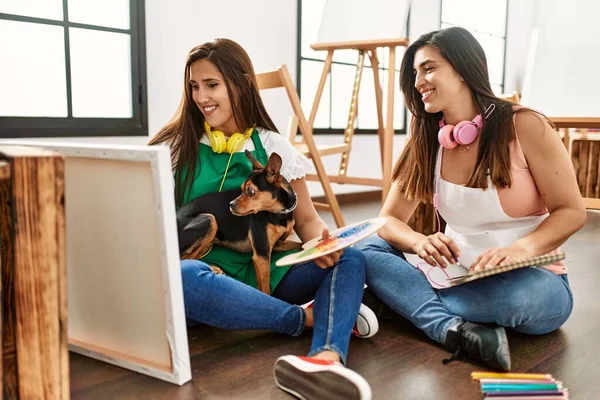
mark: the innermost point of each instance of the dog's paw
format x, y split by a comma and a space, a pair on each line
217, 270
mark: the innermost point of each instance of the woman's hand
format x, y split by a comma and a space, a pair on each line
491, 258
328, 260
431, 249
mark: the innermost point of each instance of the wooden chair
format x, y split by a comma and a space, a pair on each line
280, 78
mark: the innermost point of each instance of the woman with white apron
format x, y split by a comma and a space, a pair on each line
503, 182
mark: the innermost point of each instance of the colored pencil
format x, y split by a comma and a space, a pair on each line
542, 397
493, 395
519, 386
509, 375
493, 387
488, 380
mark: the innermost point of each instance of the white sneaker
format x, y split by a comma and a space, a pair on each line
309, 378
366, 324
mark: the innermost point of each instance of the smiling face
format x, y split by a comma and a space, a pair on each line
209, 91
439, 84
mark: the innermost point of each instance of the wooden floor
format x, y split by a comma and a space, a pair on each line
399, 362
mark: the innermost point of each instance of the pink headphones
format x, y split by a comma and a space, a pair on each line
465, 132
450, 136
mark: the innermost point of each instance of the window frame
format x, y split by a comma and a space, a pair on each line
47, 127
299, 59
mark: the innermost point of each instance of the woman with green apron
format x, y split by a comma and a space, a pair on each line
220, 100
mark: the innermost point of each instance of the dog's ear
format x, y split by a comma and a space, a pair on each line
255, 163
273, 167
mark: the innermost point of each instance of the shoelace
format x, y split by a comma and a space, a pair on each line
470, 344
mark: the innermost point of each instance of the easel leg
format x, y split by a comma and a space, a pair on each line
379, 101
388, 141
349, 132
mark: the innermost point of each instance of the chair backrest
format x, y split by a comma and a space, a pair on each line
281, 78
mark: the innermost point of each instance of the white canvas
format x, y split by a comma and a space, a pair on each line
357, 20
124, 281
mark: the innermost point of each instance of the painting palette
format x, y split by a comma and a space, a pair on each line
337, 240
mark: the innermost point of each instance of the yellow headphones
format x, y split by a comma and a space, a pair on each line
220, 144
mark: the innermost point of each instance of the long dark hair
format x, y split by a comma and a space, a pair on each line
414, 171
182, 133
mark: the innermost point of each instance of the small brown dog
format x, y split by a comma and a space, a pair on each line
257, 218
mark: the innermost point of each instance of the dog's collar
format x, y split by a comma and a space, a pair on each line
292, 208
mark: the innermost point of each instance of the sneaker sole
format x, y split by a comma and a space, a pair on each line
314, 382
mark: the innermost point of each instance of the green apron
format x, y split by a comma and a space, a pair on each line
208, 176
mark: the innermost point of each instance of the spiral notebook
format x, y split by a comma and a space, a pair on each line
537, 261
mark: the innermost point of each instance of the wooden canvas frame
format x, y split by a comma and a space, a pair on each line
124, 280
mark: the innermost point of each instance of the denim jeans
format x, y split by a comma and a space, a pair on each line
224, 302
529, 300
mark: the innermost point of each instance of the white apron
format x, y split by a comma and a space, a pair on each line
475, 218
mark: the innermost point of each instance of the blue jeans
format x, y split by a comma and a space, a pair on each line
224, 302
529, 300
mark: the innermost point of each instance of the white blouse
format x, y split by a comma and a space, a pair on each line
295, 165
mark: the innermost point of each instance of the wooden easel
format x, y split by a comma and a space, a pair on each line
584, 149
385, 133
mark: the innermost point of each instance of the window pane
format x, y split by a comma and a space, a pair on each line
386, 54
101, 74
33, 82
312, 11
484, 16
494, 52
341, 89
379, 57
493, 47
346, 56
310, 75
351, 57
367, 105
49, 9
112, 13
399, 108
